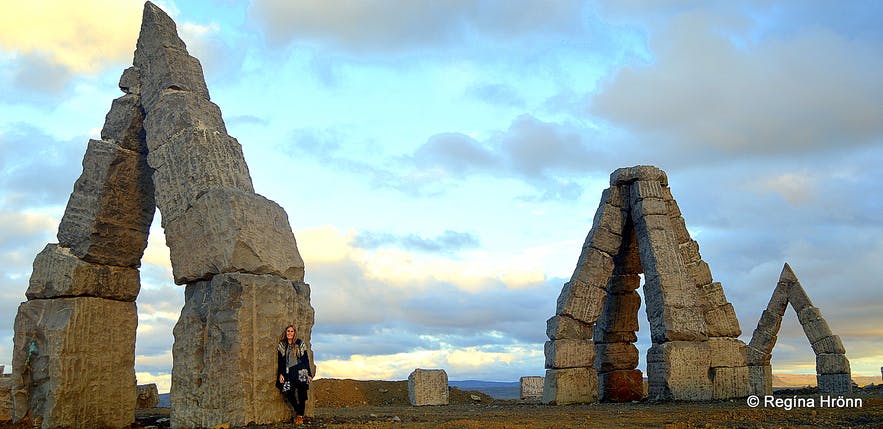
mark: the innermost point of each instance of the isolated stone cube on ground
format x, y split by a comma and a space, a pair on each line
428, 387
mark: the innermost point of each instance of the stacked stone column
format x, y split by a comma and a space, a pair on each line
74, 344
695, 355
233, 248
832, 367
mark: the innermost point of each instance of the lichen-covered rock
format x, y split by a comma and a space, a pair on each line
224, 354
231, 231
428, 387
570, 386
74, 362
58, 273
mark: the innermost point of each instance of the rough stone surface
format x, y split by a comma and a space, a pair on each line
679, 370
130, 81
798, 298
593, 268
148, 396
58, 273
621, 386
730, 382
831, 344
569, 353
5, 397
832, 363
428, 387
816, 330
531, 387
779, 300
124, 124
110, 210
833, 384
756, 357
563, 327
760, 380
609, 357
81, 348
722, 322
581, 302
626, 175
231, 231
677, 324
570, 386
620, 313
727, 352
224, 349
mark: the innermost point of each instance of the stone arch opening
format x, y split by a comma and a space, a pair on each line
696, 354
833, 374
163, 145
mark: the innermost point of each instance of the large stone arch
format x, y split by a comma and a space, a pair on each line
832, 367
164, 145
638, 228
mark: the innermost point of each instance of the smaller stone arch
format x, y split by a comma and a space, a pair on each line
832, 366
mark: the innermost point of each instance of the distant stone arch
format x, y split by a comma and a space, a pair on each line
164, 144
832, 367
696, 354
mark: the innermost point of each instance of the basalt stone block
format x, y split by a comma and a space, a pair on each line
607, 337
569, 353
581, 302
690, 251
643, 189
570, 386
232, 231
593, 268
834, 384
148, 396
110, 210
769, 321
225, 350
58, 273
700, 273
621, 386
5, 398
620, 313
74, 362
677, 324
626, 175
757, 357
763, 340
531, 387
779, 300
176, 111
195, 162
816, 330
832, 363
650, 206
428, 387
623, 283
722, 322
830, 344
679, 370
671, 290
123, 124
727, 352
615, 356
563, 327
730, 382
130, 81
760, 380
798, 298
711, 296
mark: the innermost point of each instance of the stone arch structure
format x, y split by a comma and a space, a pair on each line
164, 145
638, 228
832, 367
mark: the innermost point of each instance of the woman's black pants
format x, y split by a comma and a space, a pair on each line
297, 397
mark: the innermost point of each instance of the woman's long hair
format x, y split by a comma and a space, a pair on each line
284, 338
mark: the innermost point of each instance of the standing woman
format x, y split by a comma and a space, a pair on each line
294, 371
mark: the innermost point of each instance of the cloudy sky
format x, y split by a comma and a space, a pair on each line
441, 162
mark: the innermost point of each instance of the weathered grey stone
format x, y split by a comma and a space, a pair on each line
620, 313
760, 380
563, 327
779, 300
111, 208
428, 387
809, 314
722, 322
700, 273
181, 110
657, 248
755, 357
570, 386
604, 240
197, 161
607, 337
730, 382
644, 189
224, 349
682, 235
834, 384
649, 206
769, 321
621, 386
581, 302
832, 363
130, 81
626, 175
593, 268
615, 356
123, 124
679, 370
830, 344
816, 330
58, 273
5, 397
624, 283
531, 387
711, 296
606, 232
569, 353
81, 348
727, 352
669, 289
230, 231
798, 298
677, 324
763, 340
148, 396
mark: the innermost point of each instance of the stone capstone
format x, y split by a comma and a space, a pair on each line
570, 386
228, 322
428, 387
58, 273
531, 387
81, 348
